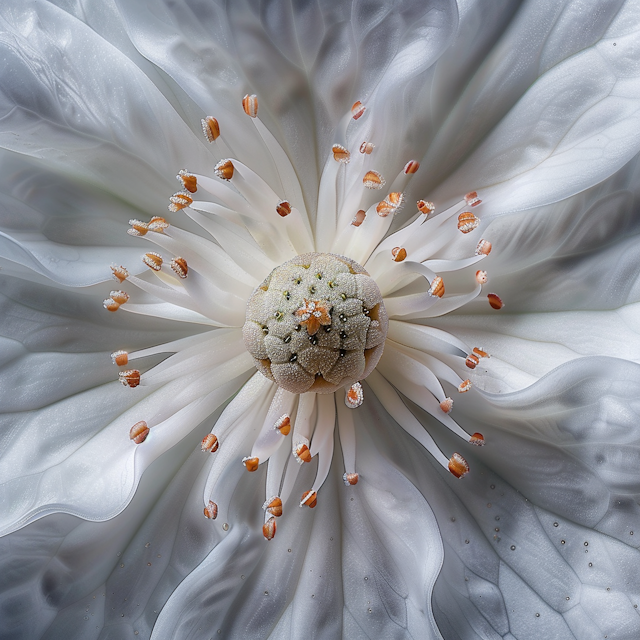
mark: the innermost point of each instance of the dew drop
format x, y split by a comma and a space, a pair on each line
513, 547
225, 526
555, 524
562, 541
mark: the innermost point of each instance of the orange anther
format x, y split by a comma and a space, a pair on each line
358, 219
467, 222
458, 466
477, 439
373, 180
426, 207
357, 110
210, 128
269, 528
283, 425
224, 169
180, 268
138, 228
153, 260
472, 361
446, 405
121, 358
495, 301
211, 510
179, 201
119, 273
354, 396
398, 254
437, 287
340, 154
309, 498
139, 432
189, 181
481, 277
210, 443
483, 248
301, 453
464, 386
367, 147
283, 208
411, 167
472, 199
129, 378
273, 506
251, 463
350, 479
250, 105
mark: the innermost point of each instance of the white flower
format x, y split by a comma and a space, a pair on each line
535, 108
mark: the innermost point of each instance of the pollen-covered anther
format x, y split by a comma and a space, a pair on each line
354, 396
464, 386
472, 199
120, 358
138, 228
358, 219
139, 432
467, 222
373, 180
481, 277
129, 378
189, 181
210, 128
283, 208
309, 499
158, 224
483, 248
301, 453
153, 260
367, 147
250, 463
480, 352
211, 510
398, 254
458, 466
224, 169
446, 405
269, 528
411, 167
210, 443
117, 298
426, 207
472, 361
180, 267
340, 154
436, 290
357, 110
477, 439
250, 105
179, 200
283, 425
350, 479
391, 204
119, 273
495, 301
273, 506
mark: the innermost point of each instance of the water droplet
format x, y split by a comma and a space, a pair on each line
567, 598
122, 566
537, 615
493, 486
562, 541
453, 519
591, 564
266, 593
555, 524
225, 526
513, 547
147, 545
497, 517
242, 577
466, 542
289, 550
586, 544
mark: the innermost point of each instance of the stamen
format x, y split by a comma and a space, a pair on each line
210, 128
312, 314
139, 432
477, 439
224, 169
179, 266
373, 180
283, 208
483, 248
250, 463
350, 479
367, 147
481, 277
119, 273
158, 224
138, 228
472, 361
340, 154
391, 204
121, 358
189, 181
464, 386
153, 260
437, 287
411, 167
446, 405
357, 110
117, 298
269, 529
354, 396
467, 222
210, 443
129, 378
472, 199
283, 425
211, 510
179, 201
458, 466
495, 301
301, 453
358, 219
426, 207
250, 105
273, 506
309, 498
480, 352
399, 253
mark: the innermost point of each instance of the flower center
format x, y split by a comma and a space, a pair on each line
316, 323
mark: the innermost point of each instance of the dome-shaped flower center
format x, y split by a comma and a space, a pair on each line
316, 323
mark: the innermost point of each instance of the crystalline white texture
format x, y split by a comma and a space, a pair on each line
339, 354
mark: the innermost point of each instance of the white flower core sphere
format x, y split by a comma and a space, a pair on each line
316, 323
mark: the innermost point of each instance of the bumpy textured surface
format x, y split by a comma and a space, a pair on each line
300, 355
